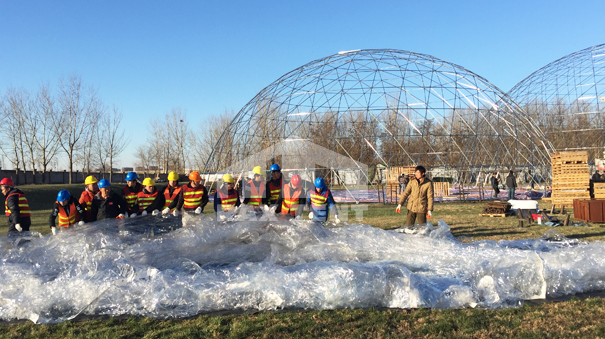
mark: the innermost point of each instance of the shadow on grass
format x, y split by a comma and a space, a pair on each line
482, 233
586, 235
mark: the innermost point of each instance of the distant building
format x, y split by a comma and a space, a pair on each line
127, 169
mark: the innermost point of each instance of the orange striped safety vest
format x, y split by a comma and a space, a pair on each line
192, 197
145, 199
86, 201
256, 195
68, 220
319, 201
228, 200
290, 202
170, 198
131, 195
23, 205
274, 191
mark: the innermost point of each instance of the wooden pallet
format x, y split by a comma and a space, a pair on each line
571, 178
562, 186
569, 156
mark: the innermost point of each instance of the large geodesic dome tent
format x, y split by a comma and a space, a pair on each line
566, 98
390, 107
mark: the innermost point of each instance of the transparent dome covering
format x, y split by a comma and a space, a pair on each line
385, 106
566, 99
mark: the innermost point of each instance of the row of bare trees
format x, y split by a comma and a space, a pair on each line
38, 129
174, 143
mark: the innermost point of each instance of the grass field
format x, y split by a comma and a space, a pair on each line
568, 319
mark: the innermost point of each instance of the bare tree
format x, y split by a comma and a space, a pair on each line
176, 123
86, 157
79, 111
211, 131
13, 116
144, 154
10, 128
113, 138
43, 138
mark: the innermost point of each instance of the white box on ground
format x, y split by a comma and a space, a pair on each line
523, 204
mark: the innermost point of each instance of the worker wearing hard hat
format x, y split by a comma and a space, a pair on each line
192, 198
107, 204
320, 202
130, 192
149, 199
274, 185
69, 211
292, 198
90, 190
16, 207
255, 190
226, 197
171, 192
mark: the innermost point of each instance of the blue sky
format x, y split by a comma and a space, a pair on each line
148, 57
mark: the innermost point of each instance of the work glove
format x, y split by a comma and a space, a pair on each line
120, 216
198, 210
18, 227
175, 213
81, 222
133, 215
166, 211
336, 220
222, 217
54, 230
144, 213
310, 215
429, 214
155, 212
398, 210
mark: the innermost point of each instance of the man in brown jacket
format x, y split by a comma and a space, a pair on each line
420, 204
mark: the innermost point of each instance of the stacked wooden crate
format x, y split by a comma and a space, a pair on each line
570, 177
598, 190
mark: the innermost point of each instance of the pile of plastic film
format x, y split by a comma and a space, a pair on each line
178, 267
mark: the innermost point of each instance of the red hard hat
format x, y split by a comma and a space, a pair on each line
295, 180
6, 182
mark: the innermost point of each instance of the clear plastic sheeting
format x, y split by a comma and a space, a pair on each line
152, 266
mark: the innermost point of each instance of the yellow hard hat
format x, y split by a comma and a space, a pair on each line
228, 178
172, 176
148, 182
257, 170
91, 179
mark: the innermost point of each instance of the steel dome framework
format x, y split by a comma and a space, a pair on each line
384, 106
566, 98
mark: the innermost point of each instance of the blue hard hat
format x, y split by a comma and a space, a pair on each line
275, 167
131, 176
320, 183
63, 195
105, 183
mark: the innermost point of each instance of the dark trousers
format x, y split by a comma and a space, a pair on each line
496, 191
511, 193
412, 218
